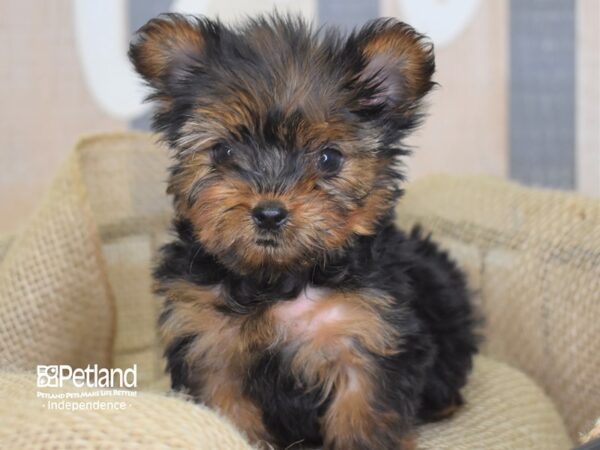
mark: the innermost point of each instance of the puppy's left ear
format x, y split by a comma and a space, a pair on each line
170, 47
397, 66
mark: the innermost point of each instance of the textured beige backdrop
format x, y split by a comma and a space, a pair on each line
46, 105
588, 96
467, 127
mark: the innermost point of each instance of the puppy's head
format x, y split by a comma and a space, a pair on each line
286, 140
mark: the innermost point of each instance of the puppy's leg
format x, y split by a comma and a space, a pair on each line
226, 395
443, 304
366, 356
358, 418
207, 357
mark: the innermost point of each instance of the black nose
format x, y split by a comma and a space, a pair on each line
269, 215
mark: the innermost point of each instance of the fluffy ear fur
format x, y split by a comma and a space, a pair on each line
398, 64
171, 47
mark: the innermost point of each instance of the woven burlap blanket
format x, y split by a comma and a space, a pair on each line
75, 288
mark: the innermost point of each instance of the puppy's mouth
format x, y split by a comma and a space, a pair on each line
267, 242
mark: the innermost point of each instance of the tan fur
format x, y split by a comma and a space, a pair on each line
224, 392
221, 214
220, 353
362, 221
328, 357
222, 220
324, 355
163, 38
351, 421
401, 44
286, 97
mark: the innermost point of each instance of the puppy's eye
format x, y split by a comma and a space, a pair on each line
330, 161
221, 153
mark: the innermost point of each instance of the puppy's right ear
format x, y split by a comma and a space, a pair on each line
170, 47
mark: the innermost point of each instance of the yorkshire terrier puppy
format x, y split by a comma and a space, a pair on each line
294, 306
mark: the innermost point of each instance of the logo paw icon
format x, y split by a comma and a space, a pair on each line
47, 376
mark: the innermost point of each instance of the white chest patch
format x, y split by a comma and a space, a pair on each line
310, 312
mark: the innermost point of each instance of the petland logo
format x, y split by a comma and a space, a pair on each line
92, 377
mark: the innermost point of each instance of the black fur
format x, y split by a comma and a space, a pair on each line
438, 332
431, 306
176, 364
291, 412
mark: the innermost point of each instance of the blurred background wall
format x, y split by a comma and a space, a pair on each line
519, 82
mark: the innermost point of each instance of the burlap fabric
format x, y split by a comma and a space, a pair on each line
533, 260
55, 299
75, 288
150, 421
124, 176
505, 410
